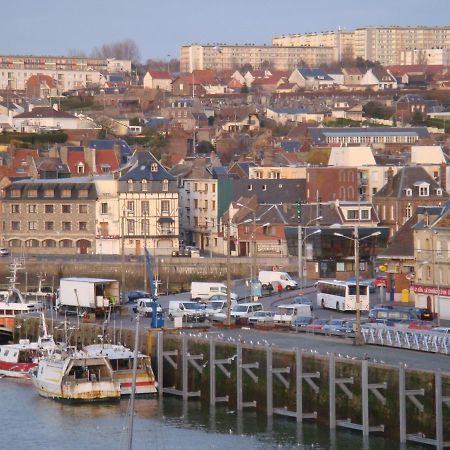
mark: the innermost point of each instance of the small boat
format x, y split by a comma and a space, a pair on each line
74, 376
17, 360
121, 360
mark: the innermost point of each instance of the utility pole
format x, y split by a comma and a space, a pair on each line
123, 252
228, 272
300, 246
144, 226
254, 269
358, 337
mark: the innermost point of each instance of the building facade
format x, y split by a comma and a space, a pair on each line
227, 57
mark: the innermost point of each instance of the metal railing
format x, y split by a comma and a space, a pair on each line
421, 340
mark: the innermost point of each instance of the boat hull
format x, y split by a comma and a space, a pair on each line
145, 384
16, 370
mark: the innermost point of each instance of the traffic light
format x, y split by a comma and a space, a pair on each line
299, 210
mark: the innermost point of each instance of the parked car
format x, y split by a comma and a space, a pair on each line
261, 317
301, 300
420, 325
189, 311
422, 313
134, 295
335, 325
301, 322
4, 251
445, 330
144, 306
317, 324
245, 310
219, 298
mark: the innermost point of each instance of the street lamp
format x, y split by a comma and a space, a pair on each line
300, 243
253, 219
356, 240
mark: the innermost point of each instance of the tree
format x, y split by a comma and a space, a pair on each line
204, 147
377, 110
126, 49
417, 117
266, 65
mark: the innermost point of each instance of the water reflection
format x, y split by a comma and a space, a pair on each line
31, 422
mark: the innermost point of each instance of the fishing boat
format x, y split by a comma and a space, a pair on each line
121, 360
17, 360
74, 376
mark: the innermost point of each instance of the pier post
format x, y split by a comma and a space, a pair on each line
438, 405
239, 377
212, 372
184, 366
160, 358
332, 390
365, 396
402, 402
269, 381
299, 384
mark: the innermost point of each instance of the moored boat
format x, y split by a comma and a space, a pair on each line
121, 360
74, 376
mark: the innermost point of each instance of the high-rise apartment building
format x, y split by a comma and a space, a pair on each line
225, 57
383, 44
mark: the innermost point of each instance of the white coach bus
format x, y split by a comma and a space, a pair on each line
341, 295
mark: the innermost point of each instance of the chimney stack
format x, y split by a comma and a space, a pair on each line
390, 178
443, 176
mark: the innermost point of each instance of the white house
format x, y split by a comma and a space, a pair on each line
378, 78
158, 79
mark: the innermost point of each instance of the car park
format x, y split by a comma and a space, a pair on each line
260, 317
301, 300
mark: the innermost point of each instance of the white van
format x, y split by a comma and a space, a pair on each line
267, 277
288, 313
188, 310
202, 291
245, 309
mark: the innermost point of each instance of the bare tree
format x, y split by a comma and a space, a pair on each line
126, 49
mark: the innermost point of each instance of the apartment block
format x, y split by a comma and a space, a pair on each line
227, 57
386, 44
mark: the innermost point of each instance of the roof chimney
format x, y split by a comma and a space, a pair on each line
443, 176
390, 178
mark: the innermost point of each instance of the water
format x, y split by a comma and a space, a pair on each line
31, 422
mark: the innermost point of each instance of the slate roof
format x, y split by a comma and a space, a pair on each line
407, 178
291, 146
139, 169
44, 111
401, 245
316, 73
291, 110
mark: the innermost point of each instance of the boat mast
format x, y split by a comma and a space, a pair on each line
133, 385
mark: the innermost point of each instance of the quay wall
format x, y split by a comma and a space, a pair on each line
175, 274
348, 408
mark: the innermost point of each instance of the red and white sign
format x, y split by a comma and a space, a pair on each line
380, 281
421, 289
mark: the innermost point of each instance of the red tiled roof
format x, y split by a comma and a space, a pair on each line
20, 166
40, 79
418, 68
160, 74
106, 158
73, 159
265, 81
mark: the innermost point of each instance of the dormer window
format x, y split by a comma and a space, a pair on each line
130, 185
144, 185
154, 167
80, 168
423, 191
408, 192
165, 185
439, 191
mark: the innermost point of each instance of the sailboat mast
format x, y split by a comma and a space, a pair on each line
133, 385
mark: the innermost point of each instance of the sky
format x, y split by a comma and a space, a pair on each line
56, 27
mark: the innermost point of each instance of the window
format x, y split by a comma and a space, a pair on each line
365, 214
408, 192
206, 187
165, 185
213, 186
195, 203
154, 167
144, 186
49, 193
83, 193
32, 209
423, 191
15, 209
165, 205
439, 191
67, 226
82, 226
352, 214
32, 226
32, 193
146, 227
80, 168
104, 208
250, 187
66, 193
145, 208
130, 226
82, 209
130, 207
15, 226
49, 226
66, 209
130, 185
408, 211
213, 205
15, 193
49, 209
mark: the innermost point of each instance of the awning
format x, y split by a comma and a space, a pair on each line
165, 220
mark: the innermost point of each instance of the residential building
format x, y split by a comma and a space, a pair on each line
324, 184
158, 79
286, 114
385, 44
148, 205
277, 172
50, 216
311, 79
411, 187
428, 56
431, 284
378, 79
227, 57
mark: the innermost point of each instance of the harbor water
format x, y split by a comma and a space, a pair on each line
32, 422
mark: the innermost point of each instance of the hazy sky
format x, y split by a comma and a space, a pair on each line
161, 27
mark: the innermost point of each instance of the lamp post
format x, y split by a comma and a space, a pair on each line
123, 251
144, 229
301, 240
228, 272
356, 239
253, 252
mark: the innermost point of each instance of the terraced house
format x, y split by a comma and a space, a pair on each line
50, 216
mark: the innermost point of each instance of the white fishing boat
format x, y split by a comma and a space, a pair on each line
17, 360
75, 376
121, 360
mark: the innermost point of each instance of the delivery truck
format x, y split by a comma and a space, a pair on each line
87, 295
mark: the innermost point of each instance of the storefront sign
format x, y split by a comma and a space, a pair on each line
110, 236
421, 289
